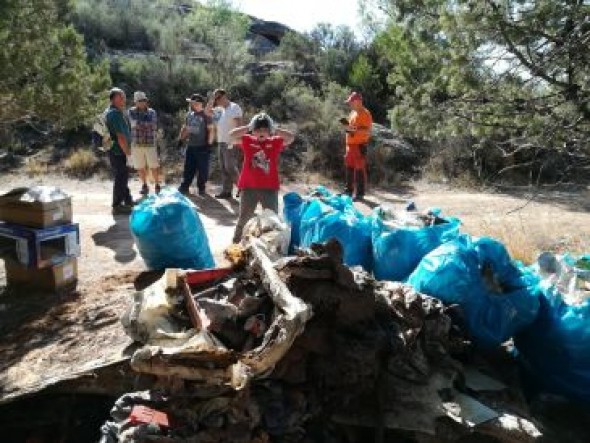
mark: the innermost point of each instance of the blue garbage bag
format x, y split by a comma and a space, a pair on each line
336, 217
497, 299
293, 205
397, 251
169, 233
555, 349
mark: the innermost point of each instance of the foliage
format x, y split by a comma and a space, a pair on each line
82, 163
511, 75
167, 85
44, 74
338, 49
224, 31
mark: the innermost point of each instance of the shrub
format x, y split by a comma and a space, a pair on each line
82, 163
35, 167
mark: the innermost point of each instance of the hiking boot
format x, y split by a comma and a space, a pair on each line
224, 196
145, 190
359, 198
157, 188
184, 191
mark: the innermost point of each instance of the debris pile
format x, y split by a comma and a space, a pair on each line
301, 350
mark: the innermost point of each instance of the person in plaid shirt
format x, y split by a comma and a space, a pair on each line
144, 127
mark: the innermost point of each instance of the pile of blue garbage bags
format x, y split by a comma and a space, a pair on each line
500, 299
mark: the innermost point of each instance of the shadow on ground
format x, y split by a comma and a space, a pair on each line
118, 238
572, 198
216, 210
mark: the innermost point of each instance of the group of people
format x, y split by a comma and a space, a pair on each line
133, 134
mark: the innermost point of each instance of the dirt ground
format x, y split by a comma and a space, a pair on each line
41, 337
551, 221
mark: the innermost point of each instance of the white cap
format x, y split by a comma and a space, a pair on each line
139, 96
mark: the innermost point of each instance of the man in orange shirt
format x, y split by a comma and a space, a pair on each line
358, 133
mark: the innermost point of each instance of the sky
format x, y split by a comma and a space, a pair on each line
303, 15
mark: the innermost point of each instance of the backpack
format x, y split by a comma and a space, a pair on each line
100, 128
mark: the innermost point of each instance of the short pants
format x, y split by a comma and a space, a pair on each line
145, 156
355, 158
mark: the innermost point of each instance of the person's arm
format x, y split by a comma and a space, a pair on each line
118, 121
209, 107
123, 143
236, 134
211, 134
183, 133
360, 129
155, 127
238, 119
287, 136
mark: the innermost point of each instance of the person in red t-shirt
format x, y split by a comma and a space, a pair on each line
262, 143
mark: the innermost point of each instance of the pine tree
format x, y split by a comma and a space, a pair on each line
44, 74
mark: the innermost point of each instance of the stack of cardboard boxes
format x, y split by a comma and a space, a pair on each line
38, 241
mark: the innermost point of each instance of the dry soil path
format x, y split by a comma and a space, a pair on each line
551, 220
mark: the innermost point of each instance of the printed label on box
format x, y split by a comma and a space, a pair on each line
72, 246
58, 214
68, 271
22, 251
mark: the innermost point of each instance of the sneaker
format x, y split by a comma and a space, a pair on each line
359, 198
184, 191
224, 195
238, 193
157, 188
145, 190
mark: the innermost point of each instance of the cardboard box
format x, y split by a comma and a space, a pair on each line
34, 214
57, 278
39, 248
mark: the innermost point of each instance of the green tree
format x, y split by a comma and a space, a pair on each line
365, 79
224, 31
43, 69
512, 75
336, 50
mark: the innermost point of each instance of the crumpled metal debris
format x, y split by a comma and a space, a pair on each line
271, 230
233, 341
374, 358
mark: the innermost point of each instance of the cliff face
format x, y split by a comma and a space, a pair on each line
265, 36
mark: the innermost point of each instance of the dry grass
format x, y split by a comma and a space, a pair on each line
525, 240
82, 163
35, 167
518, 240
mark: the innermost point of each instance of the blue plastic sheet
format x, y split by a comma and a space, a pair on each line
336, 217
497, 299
555, 349
169, 232
293, 205
397, 251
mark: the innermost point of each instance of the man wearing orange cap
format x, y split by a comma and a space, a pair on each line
358, 133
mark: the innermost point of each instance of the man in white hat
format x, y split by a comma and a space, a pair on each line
144, 128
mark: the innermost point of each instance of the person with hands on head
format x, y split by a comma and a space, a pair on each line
198, 129
117, 123
262, 142
358, 133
